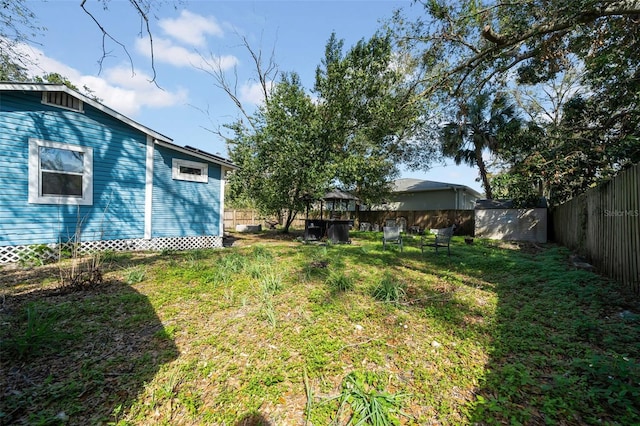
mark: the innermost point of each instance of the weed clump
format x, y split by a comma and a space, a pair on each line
339, 281
367, 403
389, 290
38, 336
135, 275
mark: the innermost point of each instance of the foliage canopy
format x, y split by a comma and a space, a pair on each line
353, 136
470, 47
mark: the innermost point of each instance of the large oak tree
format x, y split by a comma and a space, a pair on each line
370, 114
468, 47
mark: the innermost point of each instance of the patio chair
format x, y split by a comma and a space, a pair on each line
391, 235
442, 238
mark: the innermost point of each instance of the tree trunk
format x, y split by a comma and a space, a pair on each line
483, 174
291, 215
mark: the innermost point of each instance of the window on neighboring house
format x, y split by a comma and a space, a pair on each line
189, 170
60, 173
62, 99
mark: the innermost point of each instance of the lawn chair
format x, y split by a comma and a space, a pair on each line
390, 223
391, 235
441, 238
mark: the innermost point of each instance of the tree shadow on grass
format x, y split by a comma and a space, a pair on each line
563, 341
77, 357
253, 419
565, 352
562, 344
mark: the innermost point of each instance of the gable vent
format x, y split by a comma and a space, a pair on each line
63, 100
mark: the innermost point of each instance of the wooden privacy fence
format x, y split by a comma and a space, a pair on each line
424, 219
240, 217
603, 225
252, 217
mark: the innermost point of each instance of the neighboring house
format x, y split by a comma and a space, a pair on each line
74, 169
421, 195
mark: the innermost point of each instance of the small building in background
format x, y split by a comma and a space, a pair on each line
416, 205
416, 195
502, 220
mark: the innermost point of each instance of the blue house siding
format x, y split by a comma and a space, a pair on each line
183, 208
117, 211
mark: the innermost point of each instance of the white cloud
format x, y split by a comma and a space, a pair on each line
118, 88
164, 50
191, 29
126, 92
40, 64
252, 93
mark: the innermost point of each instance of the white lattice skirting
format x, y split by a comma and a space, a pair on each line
10, 254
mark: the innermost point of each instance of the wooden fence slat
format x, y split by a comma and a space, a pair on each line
627, 228
634, 230
604, 225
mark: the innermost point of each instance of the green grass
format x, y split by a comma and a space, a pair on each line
294, 333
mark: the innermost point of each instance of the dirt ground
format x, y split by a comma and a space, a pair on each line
244, 239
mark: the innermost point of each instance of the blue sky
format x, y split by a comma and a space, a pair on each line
187, 104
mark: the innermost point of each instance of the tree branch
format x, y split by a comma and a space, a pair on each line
145, 18
220, 80
504, 46
544, 28
105, 35
265, 75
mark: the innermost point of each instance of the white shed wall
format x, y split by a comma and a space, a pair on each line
512, 224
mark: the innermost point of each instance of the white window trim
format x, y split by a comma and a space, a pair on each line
176, 163
34, 174
80, 106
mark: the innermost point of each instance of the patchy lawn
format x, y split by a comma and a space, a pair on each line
273, 331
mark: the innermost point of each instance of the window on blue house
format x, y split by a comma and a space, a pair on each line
189, 170
60, 173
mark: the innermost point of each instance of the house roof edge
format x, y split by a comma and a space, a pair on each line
51, 87
419, 185
199, 154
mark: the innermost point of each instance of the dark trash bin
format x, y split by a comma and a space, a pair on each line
338, 231
314, 229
